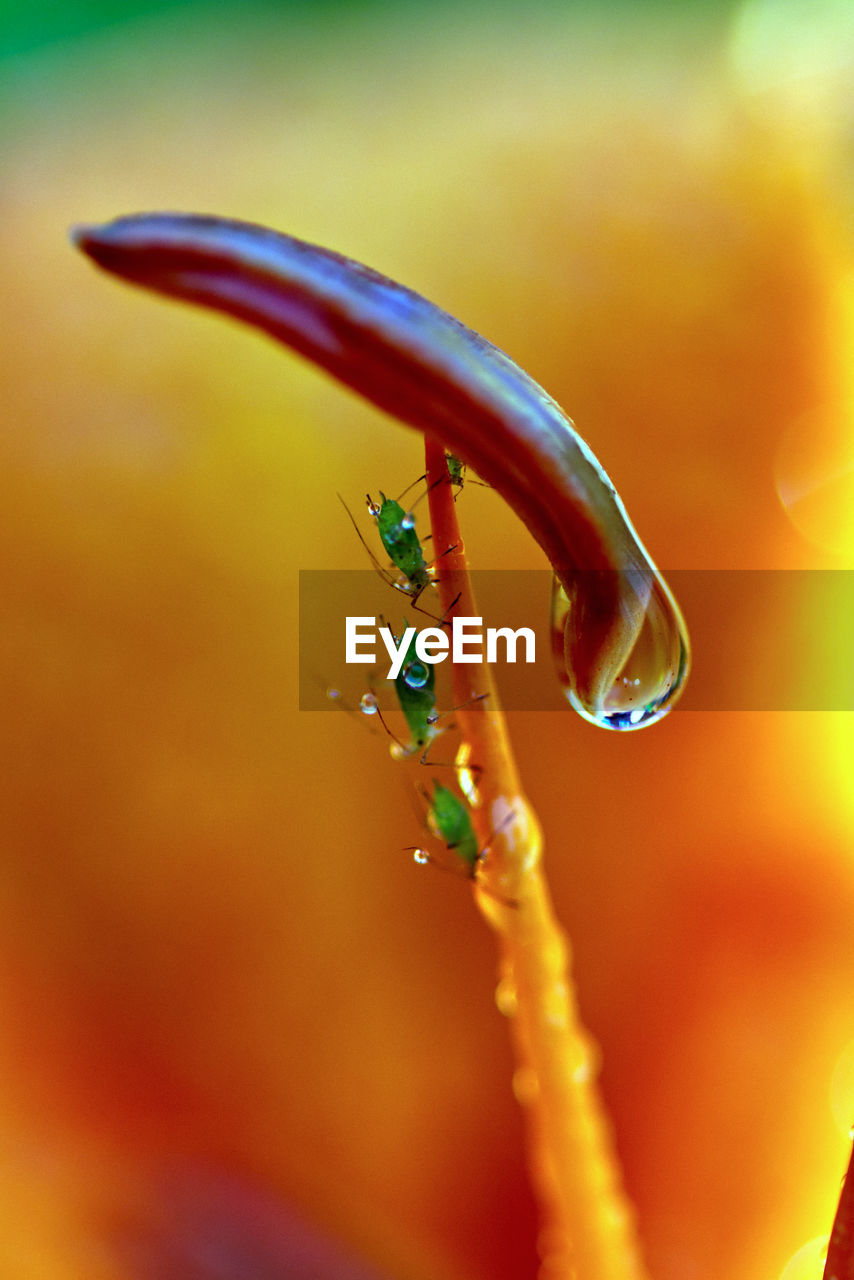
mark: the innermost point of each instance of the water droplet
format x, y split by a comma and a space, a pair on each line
616, 1217
556, 1004
334, 695
506, 997
582, 1073
421, 856
368, 704
408, 521
620, 645
398, 751
373, 507
586, 1058
466, 775
416, 675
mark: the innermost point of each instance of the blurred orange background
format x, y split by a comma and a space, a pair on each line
228, 999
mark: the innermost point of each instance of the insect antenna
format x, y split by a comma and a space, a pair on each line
384, 573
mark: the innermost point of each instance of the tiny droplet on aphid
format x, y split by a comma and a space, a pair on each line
416, 675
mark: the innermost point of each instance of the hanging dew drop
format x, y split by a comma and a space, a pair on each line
620, 645
421, 856
368, 704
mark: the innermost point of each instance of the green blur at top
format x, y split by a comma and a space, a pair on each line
26, 26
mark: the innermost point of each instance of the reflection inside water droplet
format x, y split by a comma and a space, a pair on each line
620, 645
368, 704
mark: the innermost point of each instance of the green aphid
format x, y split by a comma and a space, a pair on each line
415, 688
457, 474
450, 821
402, 545
456, 470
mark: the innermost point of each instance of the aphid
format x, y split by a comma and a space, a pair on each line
402, 545
415, 690
450, 821
404, 551
456, 470
457, 475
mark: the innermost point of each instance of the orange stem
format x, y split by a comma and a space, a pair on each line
589, 1225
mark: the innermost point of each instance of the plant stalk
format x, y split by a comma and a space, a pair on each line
588, 1225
